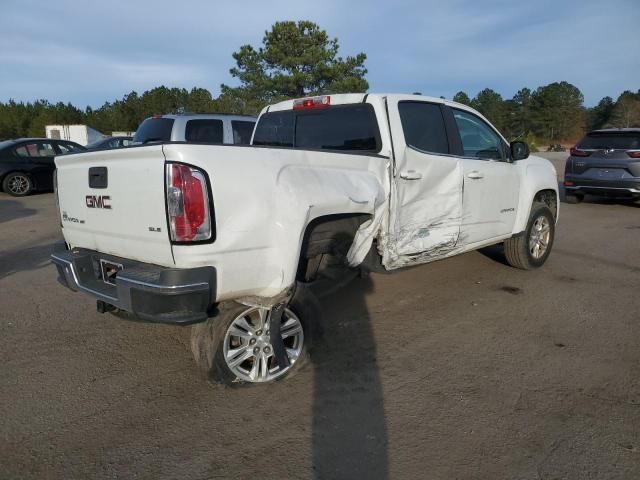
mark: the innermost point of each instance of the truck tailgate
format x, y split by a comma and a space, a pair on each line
123, 211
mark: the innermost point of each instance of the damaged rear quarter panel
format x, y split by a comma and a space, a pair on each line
263, 200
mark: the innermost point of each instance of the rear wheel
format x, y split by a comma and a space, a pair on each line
17, 184
234, 348
531, 248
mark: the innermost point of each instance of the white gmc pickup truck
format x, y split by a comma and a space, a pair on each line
226, 237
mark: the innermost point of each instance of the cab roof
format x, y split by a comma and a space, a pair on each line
205, 115
349, 98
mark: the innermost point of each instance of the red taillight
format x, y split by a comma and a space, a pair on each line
634, 153
187, 204
576, 152
568, 183
321, 101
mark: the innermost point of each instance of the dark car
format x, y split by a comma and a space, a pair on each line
605, 163
26, 164
110, 143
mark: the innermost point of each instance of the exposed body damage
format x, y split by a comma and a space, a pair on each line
259, 242
424, 227
438, 237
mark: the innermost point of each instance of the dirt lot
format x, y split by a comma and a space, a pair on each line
462, 369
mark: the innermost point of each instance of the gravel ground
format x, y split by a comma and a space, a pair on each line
462, 369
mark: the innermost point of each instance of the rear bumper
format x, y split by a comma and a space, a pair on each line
602, 187
148, 292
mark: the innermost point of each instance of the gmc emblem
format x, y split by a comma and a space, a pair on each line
98, 201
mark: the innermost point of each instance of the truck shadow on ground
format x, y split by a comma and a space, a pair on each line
349, 435
25, 259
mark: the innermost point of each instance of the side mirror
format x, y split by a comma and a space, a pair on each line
519, 151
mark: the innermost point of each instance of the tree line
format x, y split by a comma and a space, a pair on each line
554, 112
298, 59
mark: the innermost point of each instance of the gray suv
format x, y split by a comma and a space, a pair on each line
606, 163
196, 128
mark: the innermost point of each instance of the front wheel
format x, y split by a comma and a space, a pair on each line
234, 347
531, 248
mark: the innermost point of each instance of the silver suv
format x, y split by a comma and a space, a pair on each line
196, 128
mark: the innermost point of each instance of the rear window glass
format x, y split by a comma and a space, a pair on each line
204, 131
275, 129
340, 127
242, 132
154, 130
423, 126
618, 141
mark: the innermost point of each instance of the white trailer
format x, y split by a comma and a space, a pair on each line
81, 134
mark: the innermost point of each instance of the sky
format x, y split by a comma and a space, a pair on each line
89, 52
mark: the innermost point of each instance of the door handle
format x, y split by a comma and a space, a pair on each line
476, 175
410, 175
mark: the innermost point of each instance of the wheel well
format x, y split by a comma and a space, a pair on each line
550, 198
329, 234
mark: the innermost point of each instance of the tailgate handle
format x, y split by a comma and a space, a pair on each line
98, 177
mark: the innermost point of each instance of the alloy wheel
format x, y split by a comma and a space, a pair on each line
247, 346
539, 237
18, 185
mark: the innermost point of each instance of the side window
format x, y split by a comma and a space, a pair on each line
36, 149
242, 132
479, 140
423, 126
21, 151
67, 148
45, 149
204, 131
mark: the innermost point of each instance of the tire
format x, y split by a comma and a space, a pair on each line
17, 184
213, 343
574, 197
521, 251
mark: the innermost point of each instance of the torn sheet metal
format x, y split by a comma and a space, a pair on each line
325, 191
368, 231
268, 302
